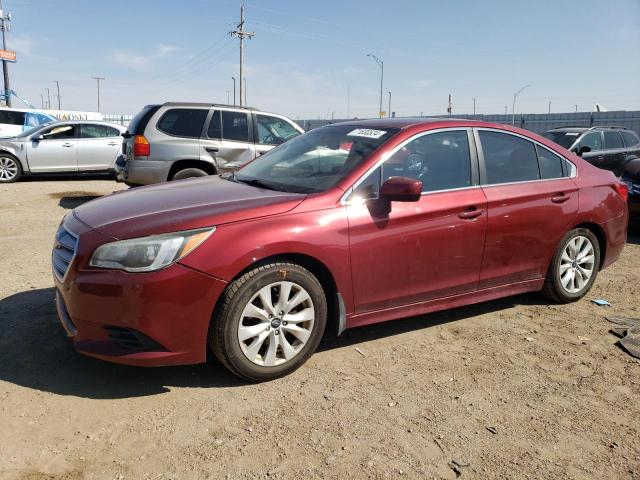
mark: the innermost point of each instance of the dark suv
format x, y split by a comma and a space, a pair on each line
609, 148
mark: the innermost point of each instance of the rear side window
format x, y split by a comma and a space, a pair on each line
183, 122
612, 140
215, 126
508, 158
112, 132
235, 126
9, 117
630, 139
441, 161
550, 163
88, 130
140, 121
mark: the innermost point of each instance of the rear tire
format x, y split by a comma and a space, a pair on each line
259, 333
10, 168
574, 267
189, 173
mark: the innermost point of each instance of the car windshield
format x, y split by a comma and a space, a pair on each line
315, 161
564, 139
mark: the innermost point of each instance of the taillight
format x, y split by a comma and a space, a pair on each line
141, 147
621, 189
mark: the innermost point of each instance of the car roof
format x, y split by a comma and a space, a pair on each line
203, 104
405, 122
75, 122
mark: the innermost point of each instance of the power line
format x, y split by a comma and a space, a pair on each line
241, 34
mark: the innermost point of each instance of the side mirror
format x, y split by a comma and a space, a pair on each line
401, 189
37, 138
583, 149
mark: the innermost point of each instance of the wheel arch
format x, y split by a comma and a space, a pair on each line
178, 165
23, 164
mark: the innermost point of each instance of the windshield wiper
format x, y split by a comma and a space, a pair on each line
255, 182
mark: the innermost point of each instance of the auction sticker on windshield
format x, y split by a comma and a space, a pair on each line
366, 132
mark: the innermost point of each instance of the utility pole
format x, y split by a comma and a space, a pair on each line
576, 108
474, 107
42, 101
228, 99
549, 107
450, 106
245, 91
348, 102
97, 79
5, 24
505, 109
48, 98
513, 111
241, 34
389, 111
234, 90
58, 95
381, 65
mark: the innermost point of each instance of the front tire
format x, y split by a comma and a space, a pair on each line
574, 267
10, 168
269, 321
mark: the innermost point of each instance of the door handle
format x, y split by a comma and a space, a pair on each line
470, 214
67, 144
113, 144
212, 149
560, 198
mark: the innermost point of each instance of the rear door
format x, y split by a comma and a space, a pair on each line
98, 146
631, 143
595, 142
532, 202
227, 140
55, 151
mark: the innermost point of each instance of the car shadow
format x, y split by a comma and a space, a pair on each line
36, 353
633, 235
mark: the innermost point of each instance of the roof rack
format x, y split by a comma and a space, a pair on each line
203, 104
610, 127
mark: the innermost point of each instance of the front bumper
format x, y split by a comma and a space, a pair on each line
146, 319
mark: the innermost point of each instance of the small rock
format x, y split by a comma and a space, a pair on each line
392, 404
529, 339
493, 430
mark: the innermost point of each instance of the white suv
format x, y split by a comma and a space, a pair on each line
173, 141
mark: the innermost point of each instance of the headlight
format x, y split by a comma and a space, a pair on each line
147, 254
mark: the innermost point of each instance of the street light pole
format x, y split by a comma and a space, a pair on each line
234, 90
381, 65
48, 98
474, 107
389, 112
58, 95
97, 79
5, 21
513, 110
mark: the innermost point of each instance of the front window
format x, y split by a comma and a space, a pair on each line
593, 140
62, 132
274, 131
315, 161
564, 139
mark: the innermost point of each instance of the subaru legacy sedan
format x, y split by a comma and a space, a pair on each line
343, 226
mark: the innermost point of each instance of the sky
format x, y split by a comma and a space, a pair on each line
308, 59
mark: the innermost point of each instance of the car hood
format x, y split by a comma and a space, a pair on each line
182, 205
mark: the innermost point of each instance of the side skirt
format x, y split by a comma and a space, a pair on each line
478, 296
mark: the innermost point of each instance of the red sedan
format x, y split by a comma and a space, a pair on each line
346, 225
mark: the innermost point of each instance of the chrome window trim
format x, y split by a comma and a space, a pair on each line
344, 199
573, 168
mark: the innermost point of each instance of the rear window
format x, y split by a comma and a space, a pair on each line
140, 121
508, 158
612, 140
9, 117
550, 163
630, 139
183, 122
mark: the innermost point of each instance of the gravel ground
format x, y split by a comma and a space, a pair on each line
505, 389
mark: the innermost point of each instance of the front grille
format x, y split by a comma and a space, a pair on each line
131, 339
64, 250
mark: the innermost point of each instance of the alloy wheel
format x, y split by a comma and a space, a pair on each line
577, 264
8, 168
276, 323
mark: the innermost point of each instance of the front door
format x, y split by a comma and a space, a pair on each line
98, 146
532, 203
53, 149
227, 141
420, 250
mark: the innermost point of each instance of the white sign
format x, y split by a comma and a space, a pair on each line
366, 132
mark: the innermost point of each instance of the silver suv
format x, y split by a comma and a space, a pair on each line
173, 141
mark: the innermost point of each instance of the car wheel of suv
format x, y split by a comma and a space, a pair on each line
189, 173
574, 267
269, 321
10, 168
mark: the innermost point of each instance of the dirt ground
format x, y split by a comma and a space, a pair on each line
505, 389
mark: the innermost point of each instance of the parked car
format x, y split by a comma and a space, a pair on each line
173, 141
60, 147
14, 121
605, 147
631, 177
345, 225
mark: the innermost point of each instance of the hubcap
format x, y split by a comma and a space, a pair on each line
8, 168
577, 264
276, 324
